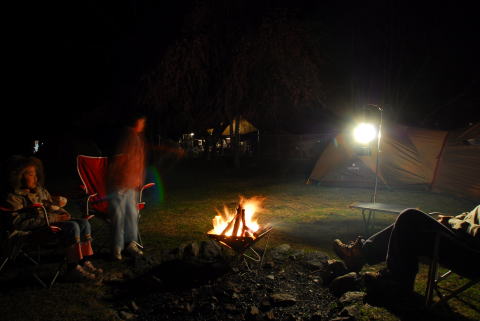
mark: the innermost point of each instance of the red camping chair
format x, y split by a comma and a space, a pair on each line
93, 173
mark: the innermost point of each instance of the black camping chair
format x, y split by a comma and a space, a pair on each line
433, 288
27, 244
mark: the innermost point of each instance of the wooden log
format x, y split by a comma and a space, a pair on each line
238, 219
229, 225
244, 225
264, 230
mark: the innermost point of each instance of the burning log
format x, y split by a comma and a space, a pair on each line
229, 226
246, 230
238, 219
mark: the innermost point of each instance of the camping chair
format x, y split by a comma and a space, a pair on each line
434, 279
15, 243
93, 174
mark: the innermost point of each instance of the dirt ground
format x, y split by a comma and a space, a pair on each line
160, 287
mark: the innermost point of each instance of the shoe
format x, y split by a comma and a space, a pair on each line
88, 266
351, 253
133, 249
80, 274
117, 254
385, 284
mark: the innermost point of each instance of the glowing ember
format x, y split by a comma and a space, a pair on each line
239, 224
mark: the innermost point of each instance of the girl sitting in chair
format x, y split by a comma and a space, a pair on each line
26, 191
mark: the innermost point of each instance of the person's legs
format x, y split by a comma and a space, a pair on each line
86, 245
361, 251
131, 224
131, 217
71, 237
413, 235
374, 249
85, 236
117, 210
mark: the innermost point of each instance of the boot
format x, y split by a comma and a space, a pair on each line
117, 253
133, 249
351, 253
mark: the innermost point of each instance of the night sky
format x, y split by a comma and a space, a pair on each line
67, 59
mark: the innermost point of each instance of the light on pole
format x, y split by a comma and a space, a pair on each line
366, 132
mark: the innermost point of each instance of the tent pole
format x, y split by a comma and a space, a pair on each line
379, 137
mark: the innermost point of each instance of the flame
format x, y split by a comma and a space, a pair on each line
252, 206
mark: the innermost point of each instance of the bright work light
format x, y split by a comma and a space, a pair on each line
364, 133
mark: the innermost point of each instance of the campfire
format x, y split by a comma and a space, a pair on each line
239, 230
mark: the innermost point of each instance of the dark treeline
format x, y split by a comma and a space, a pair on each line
288, 66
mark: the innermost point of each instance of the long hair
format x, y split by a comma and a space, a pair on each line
15, 169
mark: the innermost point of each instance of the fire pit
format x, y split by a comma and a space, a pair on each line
240, 231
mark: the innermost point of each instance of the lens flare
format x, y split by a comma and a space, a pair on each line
153, 174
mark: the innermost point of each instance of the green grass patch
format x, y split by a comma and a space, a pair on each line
305, 216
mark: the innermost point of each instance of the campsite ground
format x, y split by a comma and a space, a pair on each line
181, 209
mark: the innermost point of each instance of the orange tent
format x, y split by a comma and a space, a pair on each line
433, 159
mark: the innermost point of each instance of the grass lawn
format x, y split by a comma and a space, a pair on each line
305, 216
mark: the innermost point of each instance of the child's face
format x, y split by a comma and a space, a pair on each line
30, 179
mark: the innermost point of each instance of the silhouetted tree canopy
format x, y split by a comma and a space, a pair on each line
268, 70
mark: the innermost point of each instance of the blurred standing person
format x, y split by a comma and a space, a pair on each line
125, 175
